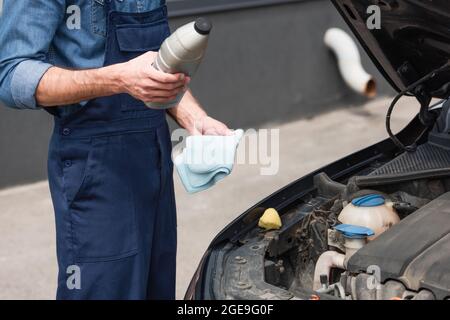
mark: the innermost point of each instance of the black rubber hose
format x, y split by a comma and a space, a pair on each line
388, 179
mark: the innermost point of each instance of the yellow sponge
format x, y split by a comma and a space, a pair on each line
270, 220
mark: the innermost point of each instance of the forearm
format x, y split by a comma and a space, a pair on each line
136, 77
188, 112
60, 87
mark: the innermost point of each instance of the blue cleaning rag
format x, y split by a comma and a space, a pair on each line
206, 160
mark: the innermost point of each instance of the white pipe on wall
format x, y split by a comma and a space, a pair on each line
349, 62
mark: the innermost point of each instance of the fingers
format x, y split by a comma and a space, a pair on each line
149, 91
145, 83
158, 96
221, 129
168, 78
195, 131
162, 99
226, 132
166, 93
218, 131
214, 128
167, 86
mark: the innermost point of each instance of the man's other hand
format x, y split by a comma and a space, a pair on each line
210, 126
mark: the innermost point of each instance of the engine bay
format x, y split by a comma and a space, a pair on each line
383, 234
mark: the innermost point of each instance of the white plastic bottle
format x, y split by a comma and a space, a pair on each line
182, 52
371, 211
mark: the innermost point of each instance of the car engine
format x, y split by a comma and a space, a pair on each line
399, 249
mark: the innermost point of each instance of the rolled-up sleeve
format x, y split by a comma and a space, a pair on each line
27, 28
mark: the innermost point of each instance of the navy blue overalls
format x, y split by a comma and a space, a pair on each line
110, 174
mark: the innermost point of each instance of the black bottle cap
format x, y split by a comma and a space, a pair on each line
203, 26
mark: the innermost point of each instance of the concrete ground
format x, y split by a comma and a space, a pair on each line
27, 234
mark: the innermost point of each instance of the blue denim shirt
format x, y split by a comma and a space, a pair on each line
38, 34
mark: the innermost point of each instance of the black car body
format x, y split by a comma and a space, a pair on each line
412, 50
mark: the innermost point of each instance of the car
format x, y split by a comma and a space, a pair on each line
331, 245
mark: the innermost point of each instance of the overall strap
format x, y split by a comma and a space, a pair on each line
110, 5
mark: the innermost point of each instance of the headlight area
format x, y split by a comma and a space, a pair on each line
209, 271
240, 270
195, 290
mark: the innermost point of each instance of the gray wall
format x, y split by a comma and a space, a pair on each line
264, 65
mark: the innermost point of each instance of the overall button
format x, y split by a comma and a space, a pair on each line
67, 163
66, 131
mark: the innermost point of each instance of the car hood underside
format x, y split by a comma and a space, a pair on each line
411, 40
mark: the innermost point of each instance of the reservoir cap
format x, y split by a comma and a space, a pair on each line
354, 232
203, 26
370, 200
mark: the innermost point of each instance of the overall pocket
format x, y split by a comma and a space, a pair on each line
100, 202
98, 17
134, 40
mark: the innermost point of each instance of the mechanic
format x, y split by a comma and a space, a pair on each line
109, 166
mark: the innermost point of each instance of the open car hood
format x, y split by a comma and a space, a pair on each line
413, 39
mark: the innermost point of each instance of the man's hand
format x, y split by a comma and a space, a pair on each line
142, 81
190, 115
209, 126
